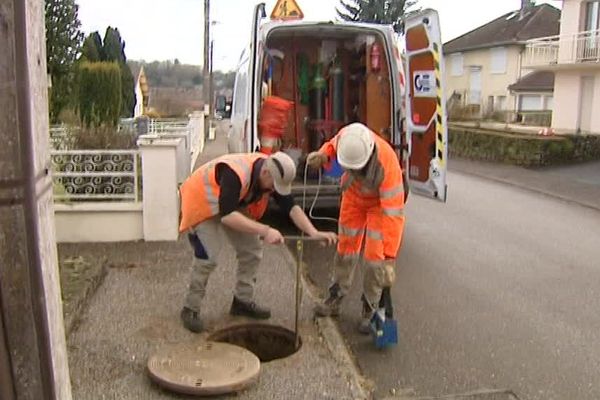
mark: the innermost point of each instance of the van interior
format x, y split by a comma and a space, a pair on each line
333, 77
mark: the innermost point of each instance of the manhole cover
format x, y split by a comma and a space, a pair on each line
208, 368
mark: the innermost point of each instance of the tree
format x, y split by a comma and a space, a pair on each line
114, 50
390, 12
92, 49
63, 43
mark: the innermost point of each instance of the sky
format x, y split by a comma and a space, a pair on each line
170, 29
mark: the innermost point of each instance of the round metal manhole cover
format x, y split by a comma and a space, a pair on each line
208, 368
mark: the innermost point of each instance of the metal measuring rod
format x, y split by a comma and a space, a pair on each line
299, 239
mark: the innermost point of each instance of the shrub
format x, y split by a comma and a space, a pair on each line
99, 94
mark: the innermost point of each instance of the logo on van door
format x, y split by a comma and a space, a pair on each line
424, 83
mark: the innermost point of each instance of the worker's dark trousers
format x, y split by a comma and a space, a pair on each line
210, 238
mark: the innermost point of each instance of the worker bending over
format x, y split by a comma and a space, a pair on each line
229, 195
372, 210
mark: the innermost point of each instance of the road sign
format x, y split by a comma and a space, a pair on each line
287, 10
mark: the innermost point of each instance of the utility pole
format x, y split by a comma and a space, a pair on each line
206, 71
33, 351
211, 88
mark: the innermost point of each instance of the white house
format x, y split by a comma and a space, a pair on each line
142, 91
574, 57
483, 63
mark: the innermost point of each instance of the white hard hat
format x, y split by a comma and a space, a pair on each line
355, 146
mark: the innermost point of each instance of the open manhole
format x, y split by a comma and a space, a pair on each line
267, 342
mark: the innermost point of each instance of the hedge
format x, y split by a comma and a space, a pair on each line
522, 149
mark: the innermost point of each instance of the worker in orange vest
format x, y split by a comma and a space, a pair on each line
228, 196
372, 210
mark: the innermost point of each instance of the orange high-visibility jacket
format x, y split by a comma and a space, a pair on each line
200, 192
386, 201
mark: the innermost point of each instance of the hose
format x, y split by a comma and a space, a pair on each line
310, 211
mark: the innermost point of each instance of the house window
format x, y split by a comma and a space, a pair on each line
456, 61
498, 56
530, 102
592, 16
549, 103
500, 103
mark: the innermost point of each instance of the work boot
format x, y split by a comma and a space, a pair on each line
249, 309
191, 320
331, 306
364, 326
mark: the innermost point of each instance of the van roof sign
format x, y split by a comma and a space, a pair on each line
286, 10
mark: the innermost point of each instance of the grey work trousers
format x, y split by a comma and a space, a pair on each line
211, 236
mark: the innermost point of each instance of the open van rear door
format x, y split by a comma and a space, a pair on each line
426, 121
255, 76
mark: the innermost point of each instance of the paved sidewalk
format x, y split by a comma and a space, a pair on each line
136, 310
578, 184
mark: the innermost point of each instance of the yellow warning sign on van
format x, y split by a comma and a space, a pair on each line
286, 10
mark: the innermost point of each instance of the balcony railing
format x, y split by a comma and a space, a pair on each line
583, 47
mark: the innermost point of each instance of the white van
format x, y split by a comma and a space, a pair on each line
337, 73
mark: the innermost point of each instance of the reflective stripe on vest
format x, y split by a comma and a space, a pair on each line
212, 199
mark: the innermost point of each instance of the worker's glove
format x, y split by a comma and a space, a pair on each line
316, 160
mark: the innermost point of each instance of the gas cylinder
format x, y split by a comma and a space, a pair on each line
317, 94
337, 92
317, 105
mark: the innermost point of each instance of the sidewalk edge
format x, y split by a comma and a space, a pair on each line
342, 355
72, 320
335, 343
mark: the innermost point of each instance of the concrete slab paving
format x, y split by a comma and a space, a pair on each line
136, 310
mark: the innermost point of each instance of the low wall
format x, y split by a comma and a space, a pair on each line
521, 149
98, 222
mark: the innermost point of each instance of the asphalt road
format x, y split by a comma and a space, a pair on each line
498, 288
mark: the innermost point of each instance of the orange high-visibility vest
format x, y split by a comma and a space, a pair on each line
200, 192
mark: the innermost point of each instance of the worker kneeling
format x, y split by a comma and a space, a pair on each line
229, 195
372, 210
